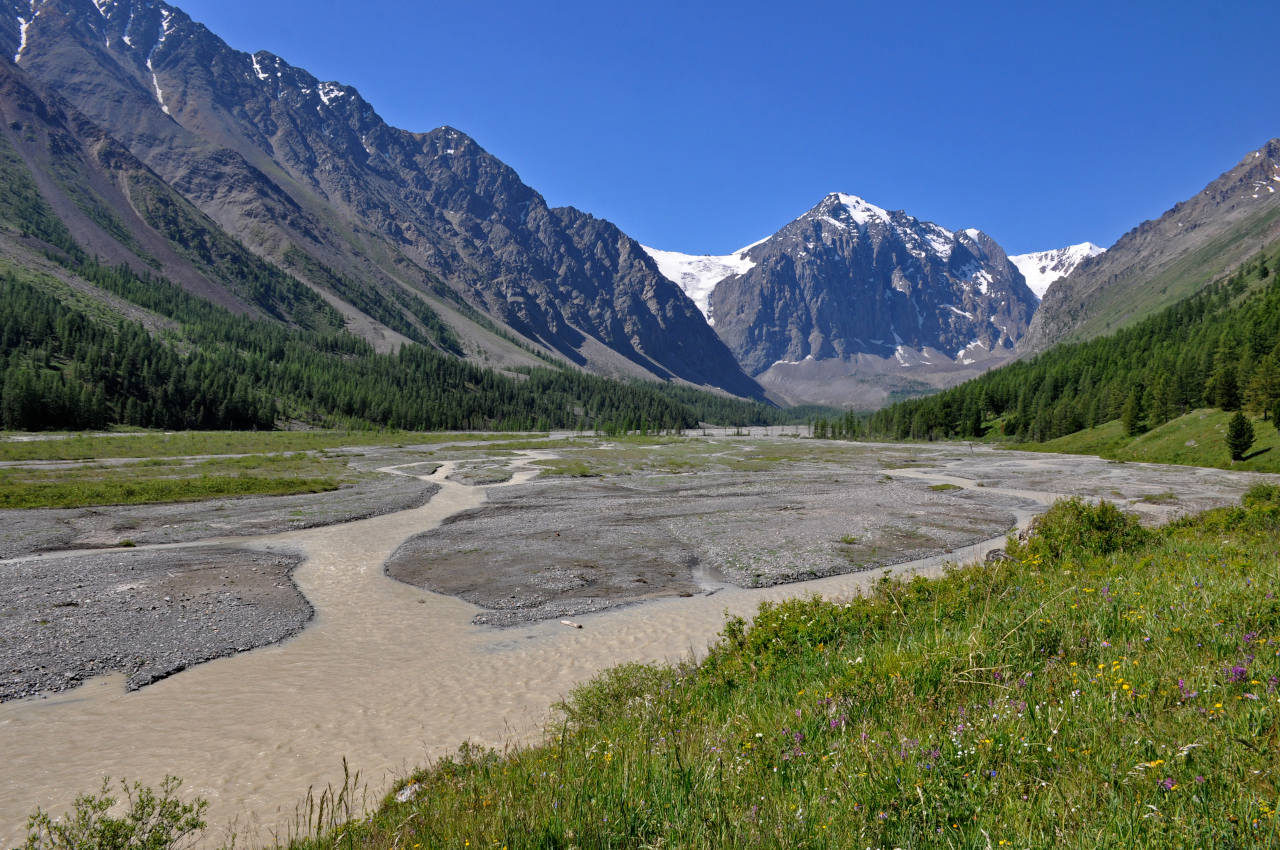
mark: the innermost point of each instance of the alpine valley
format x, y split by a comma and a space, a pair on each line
137, 144
352, 448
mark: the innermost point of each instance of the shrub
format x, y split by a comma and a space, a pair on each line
1261, 495
1074, 527
151, 822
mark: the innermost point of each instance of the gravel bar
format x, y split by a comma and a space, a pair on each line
147, 613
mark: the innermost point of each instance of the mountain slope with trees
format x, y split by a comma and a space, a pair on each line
1218, 348
68, 366
386, 225
85, 345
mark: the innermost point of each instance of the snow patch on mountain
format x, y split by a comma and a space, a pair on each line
698, 275
330, 91
166, 20
1041, 268
24, 23
863, 211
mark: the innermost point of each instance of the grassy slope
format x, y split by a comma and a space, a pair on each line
1117, 307
1196, 439
1109, 687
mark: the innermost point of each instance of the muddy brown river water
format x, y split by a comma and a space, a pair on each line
390, 676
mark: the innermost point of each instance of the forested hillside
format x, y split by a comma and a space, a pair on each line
70, 363
70, 366
1218, 348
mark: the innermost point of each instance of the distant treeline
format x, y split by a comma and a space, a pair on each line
1217, 348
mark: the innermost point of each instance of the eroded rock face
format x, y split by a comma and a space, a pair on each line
284, 162
849, 278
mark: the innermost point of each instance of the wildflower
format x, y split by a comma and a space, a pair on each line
1168, 784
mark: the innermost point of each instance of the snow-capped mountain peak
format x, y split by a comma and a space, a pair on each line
861, 210
850, 212
1042, 268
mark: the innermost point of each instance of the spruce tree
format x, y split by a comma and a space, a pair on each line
1239, 436
1160, 408
1224, 390
1131, 414
1263, 389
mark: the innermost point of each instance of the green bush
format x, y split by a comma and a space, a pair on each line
1075, 528
1260, 495
151, 822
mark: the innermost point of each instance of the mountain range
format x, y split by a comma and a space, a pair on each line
252, 184
305, 175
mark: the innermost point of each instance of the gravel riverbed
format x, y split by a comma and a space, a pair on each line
23, 532
146, 613
559, 547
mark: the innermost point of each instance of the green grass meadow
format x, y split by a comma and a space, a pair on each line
1194, 439
146, 444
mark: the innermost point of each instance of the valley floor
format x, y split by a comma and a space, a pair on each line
519, 533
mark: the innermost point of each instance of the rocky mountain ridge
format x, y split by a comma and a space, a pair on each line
308, 176
1164, 260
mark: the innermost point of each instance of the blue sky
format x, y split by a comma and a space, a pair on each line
701, 127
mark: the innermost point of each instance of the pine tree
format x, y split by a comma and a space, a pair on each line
1131, 414
1239, 436
1264, 387
1223, 387
1160, 408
